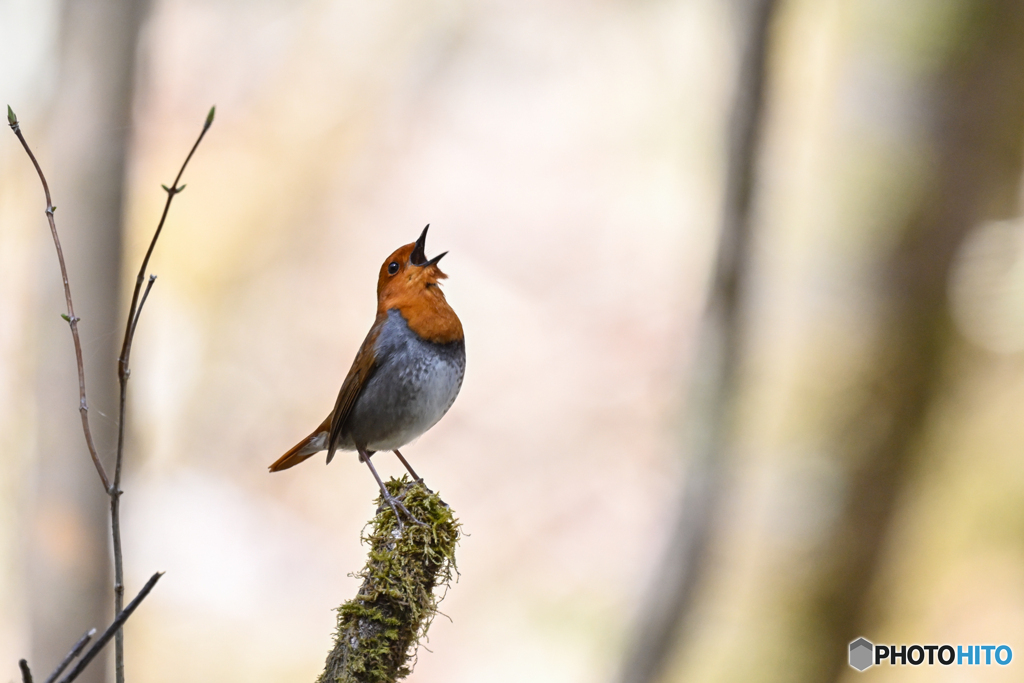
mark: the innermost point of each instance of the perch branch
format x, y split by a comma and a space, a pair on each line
379, 628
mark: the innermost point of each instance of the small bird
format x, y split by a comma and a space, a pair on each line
406, 374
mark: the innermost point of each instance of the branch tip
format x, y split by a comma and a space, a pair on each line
114, 627
26, 673
12, 120
209, 117
71, 655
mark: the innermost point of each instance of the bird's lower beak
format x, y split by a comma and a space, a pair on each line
434, 260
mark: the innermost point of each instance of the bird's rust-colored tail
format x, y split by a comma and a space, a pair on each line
311, 445
292, 458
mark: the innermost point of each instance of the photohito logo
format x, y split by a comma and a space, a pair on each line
864, 654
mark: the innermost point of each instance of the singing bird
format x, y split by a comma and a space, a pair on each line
406, 374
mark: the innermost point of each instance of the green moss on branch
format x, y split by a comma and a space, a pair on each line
379, 628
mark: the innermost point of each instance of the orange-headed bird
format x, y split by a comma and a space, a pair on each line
406, 374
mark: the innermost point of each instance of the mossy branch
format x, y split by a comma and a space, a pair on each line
379, 629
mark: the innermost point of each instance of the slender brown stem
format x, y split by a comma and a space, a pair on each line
115, 532
115, 627
75, 651
126, 346
123, 373
83, 406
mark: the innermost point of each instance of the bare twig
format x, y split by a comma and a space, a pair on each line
113, 489
75, 651
126, 346
26, 673
83, 407
115, 627
123, 373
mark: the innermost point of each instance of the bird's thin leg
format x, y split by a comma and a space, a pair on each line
388, 498
415, 477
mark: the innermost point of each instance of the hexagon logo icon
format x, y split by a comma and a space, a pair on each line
861, 654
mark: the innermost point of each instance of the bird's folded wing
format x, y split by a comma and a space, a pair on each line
362, 369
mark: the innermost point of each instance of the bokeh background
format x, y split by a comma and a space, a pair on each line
573, 158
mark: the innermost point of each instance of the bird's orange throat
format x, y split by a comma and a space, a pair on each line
427, 313
415, 291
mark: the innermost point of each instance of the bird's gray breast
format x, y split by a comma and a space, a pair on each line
413, 386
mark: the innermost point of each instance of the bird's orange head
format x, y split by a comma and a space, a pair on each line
409, 282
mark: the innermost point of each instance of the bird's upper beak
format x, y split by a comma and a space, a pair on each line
418, 257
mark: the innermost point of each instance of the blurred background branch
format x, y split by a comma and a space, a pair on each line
974, 120
711, 408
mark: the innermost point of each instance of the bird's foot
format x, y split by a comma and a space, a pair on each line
397, 505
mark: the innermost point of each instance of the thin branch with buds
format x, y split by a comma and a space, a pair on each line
113, 488
123, 373
83, 407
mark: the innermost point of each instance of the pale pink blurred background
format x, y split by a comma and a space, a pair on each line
556, 150
570, 157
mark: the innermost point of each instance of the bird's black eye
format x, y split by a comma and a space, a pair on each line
392, 268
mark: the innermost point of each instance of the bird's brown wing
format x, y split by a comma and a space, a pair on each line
359, 374
362, 369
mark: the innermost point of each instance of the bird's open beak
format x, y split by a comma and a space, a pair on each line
418, 257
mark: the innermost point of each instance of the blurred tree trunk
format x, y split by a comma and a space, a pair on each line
975, 117
713, 393
71, 587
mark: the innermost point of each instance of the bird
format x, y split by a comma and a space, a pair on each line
405, 376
